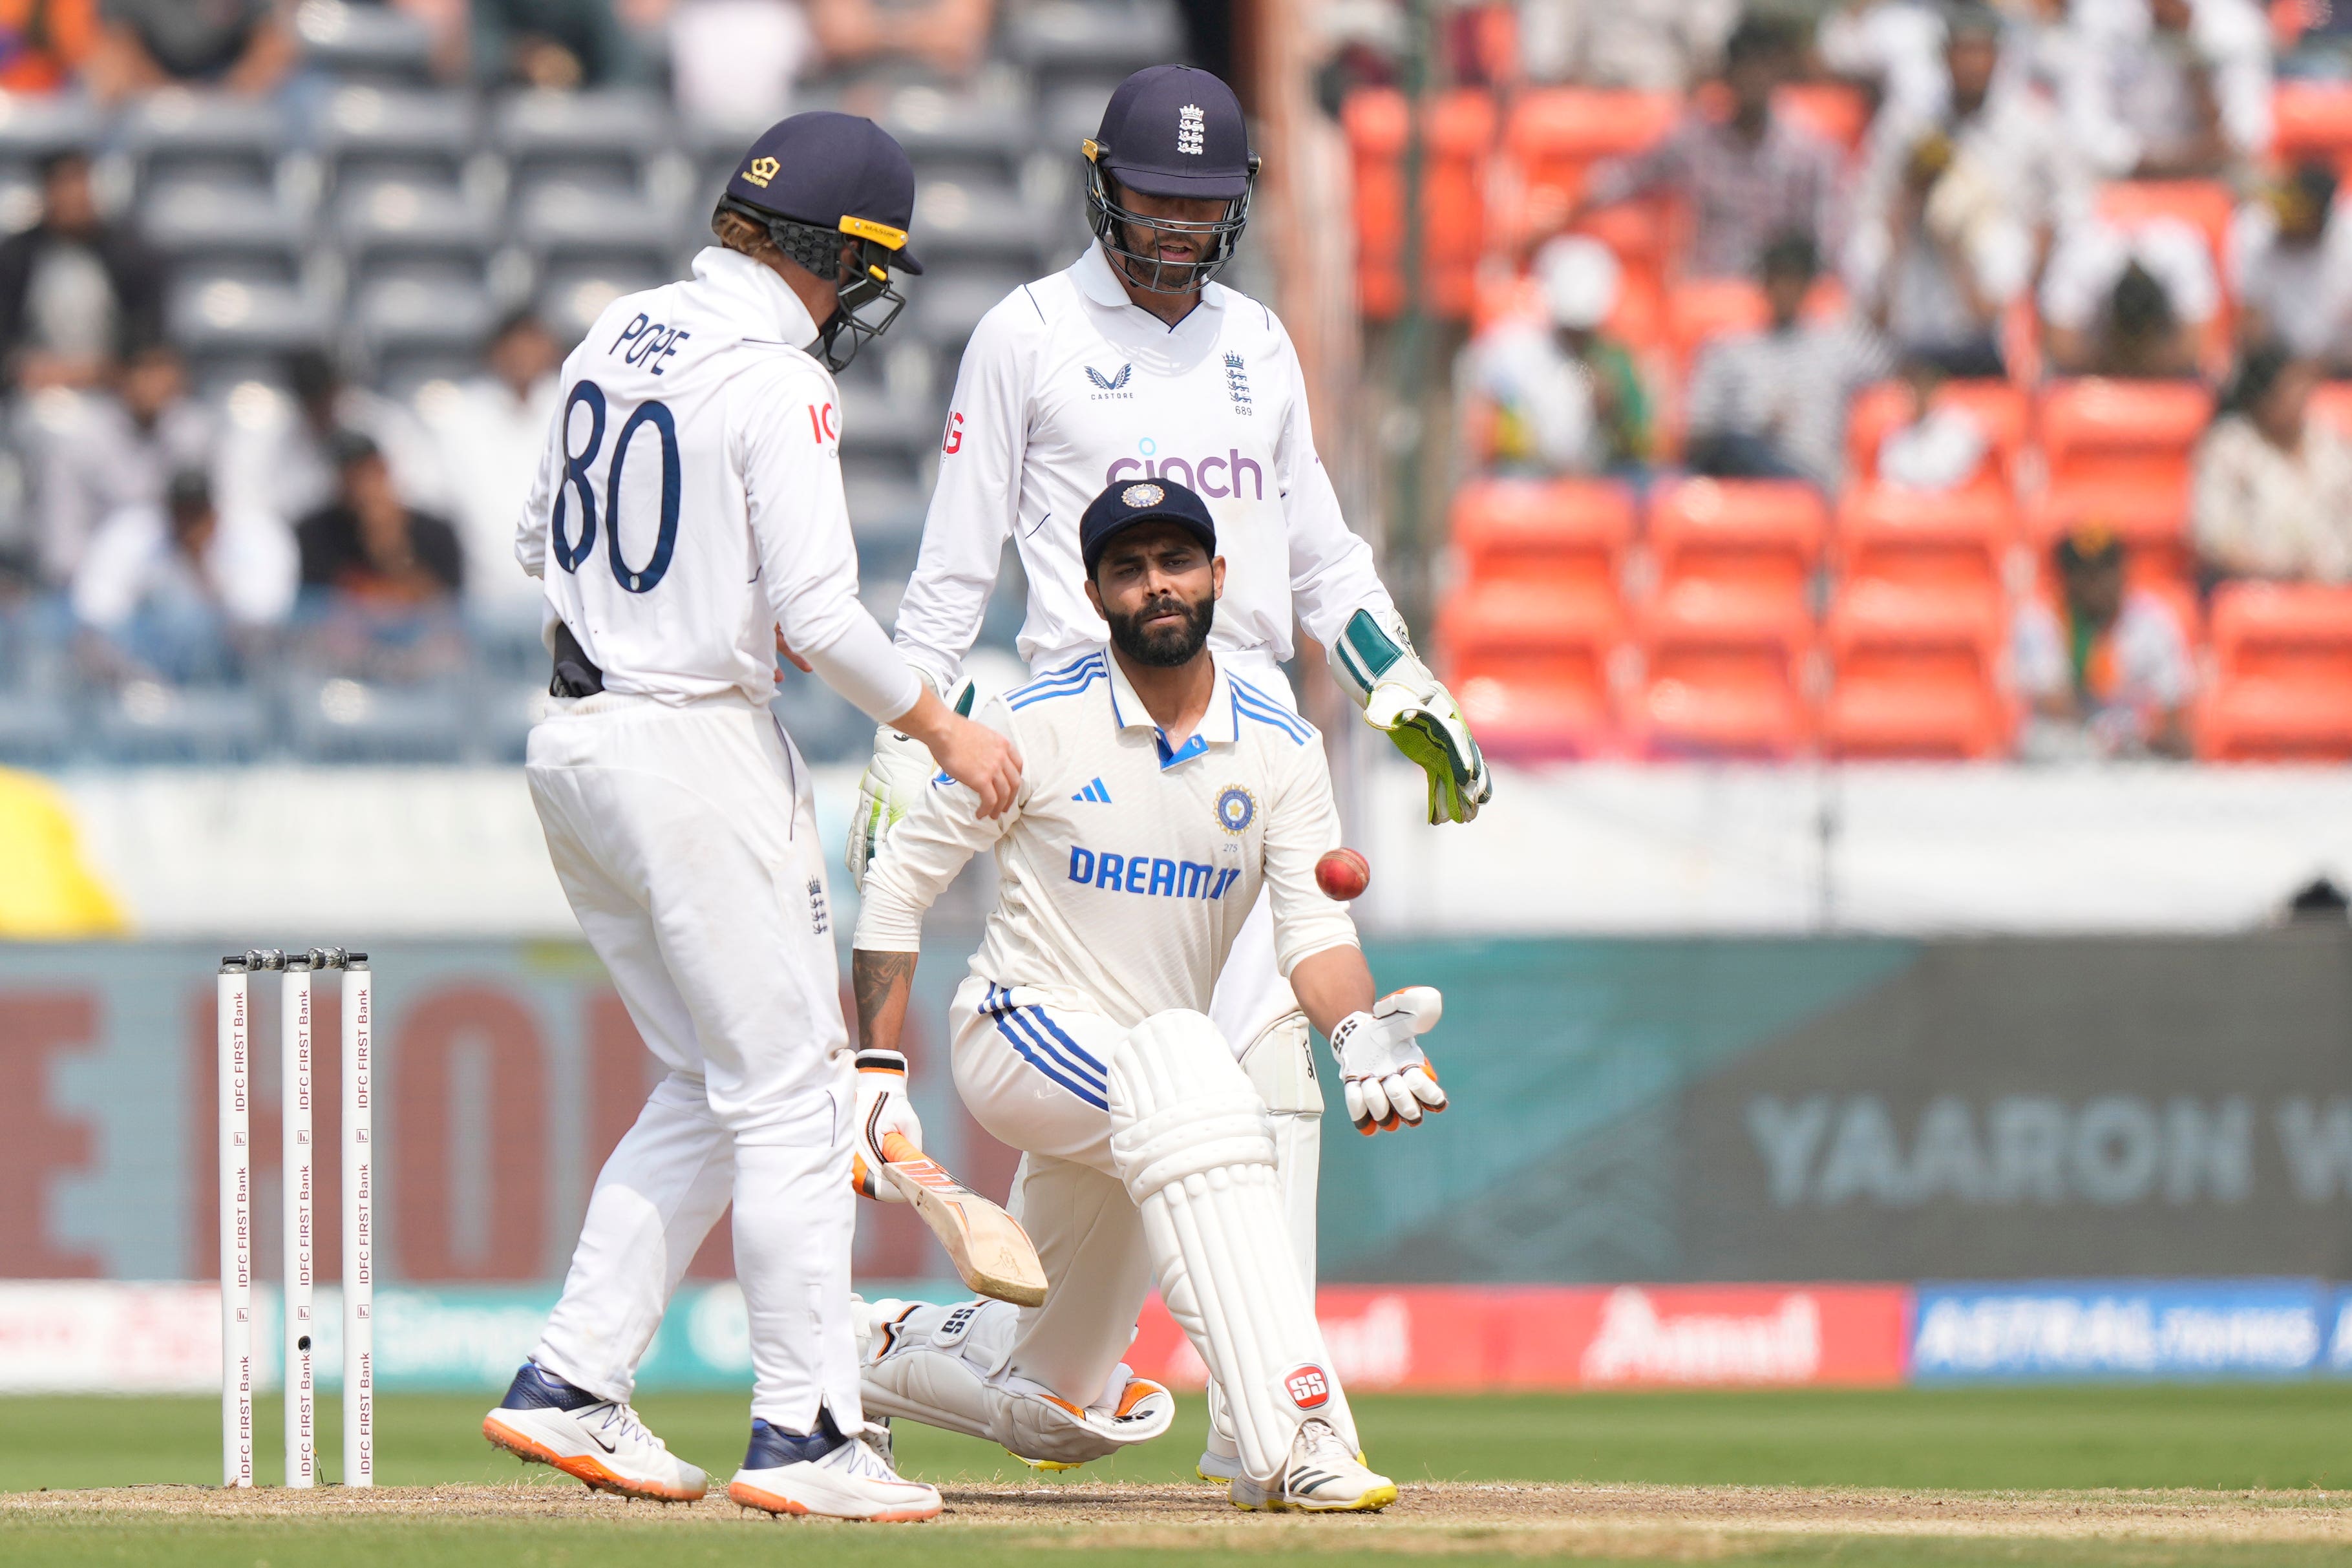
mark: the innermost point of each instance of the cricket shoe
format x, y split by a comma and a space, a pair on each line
1322, 1477
548, 1421
1220, 1459
827, 1475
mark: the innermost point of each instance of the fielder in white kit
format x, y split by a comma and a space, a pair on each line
687, 517
1161, 794
1133, 364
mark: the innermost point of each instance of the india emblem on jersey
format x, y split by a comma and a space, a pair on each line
1236, 808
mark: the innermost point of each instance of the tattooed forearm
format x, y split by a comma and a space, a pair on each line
882, 980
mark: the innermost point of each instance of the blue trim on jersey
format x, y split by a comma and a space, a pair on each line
1075, 1049
999, 1007
1251, 704
1065, 682
1032, 1022
1193, 747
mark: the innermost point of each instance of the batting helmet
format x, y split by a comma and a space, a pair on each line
1170, 130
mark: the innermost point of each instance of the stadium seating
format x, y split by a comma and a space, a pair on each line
2312, 120
2001, 408
373, 132
2283, 675
1563, 534
362, 43
1724, 672
178, 136
1458, 131
1761, 537
1958, 539
1556, 136
2098, 429
1532, 668
1915, 674
2150, 516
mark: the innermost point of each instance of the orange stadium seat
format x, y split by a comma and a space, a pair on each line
1724, 673
2000, 408
2094, 428
1563, 533
1705, 308
1459, 133
2312, 120
2332, 402
1957, 540
1759, 535
2283, 675
1835, 110
2149, 515
1915, 674
2203, 204
1556, 133
1532, 668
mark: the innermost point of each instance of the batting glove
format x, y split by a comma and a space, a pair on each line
1374, 662
1386, 1078
882, 1109
901, 769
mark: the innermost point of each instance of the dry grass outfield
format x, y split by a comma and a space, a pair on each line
1668, 1523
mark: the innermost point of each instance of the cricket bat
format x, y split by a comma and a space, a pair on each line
989, 1250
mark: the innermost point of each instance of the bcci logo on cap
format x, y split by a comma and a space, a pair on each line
762, 171
1139, 496
1308, 1385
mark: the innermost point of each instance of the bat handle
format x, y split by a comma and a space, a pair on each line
898, 1149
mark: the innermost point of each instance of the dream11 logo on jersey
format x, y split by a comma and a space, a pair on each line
1212, 475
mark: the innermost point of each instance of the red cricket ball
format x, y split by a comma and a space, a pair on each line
1343, 874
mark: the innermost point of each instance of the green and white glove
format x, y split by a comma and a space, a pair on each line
1374, 663
902, 768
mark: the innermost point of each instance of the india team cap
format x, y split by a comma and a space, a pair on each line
834, 170
1131, 502
1174, 131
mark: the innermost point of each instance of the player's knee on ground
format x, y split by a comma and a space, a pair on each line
1195, 1147
944, 1366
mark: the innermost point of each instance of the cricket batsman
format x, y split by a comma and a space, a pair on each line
688, 514
1164, 797
1134, 366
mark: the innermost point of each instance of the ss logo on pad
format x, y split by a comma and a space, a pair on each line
1307, 1386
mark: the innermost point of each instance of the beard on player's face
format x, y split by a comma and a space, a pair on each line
1168, 642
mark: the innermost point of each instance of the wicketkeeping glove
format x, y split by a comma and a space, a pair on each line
1374, 661
901, 769
882, 1109
1385, 1076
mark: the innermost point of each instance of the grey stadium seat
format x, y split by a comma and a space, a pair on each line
375, 133
227, 326
601, 138
146, 722
959, 222
36, 717
874, 423
424, 230
409, 329
372, 44
567, 223
177, 136
967, 137
1063, 41
32, 127
337, 719
943, 313
570, 298
225, 230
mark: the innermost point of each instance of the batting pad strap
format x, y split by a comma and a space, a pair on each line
1200, 1135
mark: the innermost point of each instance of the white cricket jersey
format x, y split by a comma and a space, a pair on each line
691, 499
1067, 387
1126, 868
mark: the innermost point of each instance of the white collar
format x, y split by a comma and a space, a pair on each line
1098, 281
1219, 726
777, 314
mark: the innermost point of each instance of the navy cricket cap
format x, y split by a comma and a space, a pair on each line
834, 170
1175, 131
1132, 502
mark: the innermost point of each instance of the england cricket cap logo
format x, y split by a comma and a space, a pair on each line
1308, 1386
1142, 495
1191, 131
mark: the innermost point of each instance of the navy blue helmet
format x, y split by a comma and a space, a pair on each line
1170, 130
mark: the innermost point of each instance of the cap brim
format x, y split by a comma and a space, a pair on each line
903, 260
1190, 525
1161, 183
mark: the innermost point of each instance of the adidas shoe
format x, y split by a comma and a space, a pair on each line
1322, 1477
827, 1475
548, 1421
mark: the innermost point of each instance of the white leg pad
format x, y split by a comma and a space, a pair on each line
1194, 1145
944, 1366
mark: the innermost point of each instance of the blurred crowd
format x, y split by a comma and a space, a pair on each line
289, 284
1712, 238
